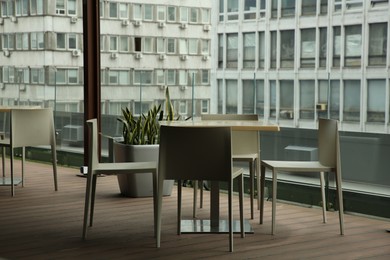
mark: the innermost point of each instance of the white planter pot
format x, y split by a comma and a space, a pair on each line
139, 184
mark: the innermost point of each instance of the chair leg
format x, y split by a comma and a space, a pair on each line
252, 186
159, 207
12, 172
340, 200
23, 160
179, 193
201, 194
3, 160
230, 195
195, 184
262, 187
88, 192
322, 184
274, 198
155, 201
92, 200
241, 201
54, 162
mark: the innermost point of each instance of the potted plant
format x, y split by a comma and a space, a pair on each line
140, 143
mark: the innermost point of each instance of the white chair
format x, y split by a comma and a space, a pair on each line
198, 153
329, 161
246, 148
95, 168
30, 127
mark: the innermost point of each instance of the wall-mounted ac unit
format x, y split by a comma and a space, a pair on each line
205, 57
183, 57
137, 23
22, 87
162, 57
163, 87
183, 26
125, 22
206, 27
138, 56
1, 21
6, 53
73, 19
76, 53
321, 107
161, 24
2, 86
114, 55
14, 19
182, 88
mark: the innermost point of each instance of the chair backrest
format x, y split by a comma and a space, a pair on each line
93, 152
328, 142
31, 127
195, 153
243, 142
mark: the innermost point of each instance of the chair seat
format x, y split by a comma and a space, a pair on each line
249, 157
119, 168
237, 172
294, 166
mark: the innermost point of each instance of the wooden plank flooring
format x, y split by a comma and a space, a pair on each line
39, 223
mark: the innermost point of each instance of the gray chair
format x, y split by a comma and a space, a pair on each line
95, 168
30, 127
198, 153
246, 148
329, 161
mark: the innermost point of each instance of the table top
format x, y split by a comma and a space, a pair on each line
9, 108
238, 125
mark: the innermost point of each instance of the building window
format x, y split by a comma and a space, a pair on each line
231, 97
37, 41
353, 45
60, 7
308, 47
306, 99
137, 12
337, 5
323, 7
194, 15
113, 43
183, 108
323, 47
72, 7
309, 7
182, 77
124, 77
250, 9
249, 50
351, 100
123, 12
160, 45
376, 100
248, 96
36, 7
353, 4
142, 77
171, 46
287, 49
101, 8
183, 46
205, 16
184, 14
137, 44
61, 41
232, 50
66, 76
205, 47
8, 41
288, 8
205, 77
232, 9
160, 77
113, 12
336, 47
148, 45
205, 107
161, 13
261, 50
263, 9
72, 41
193, 46
124, 44
334, 99
286, 99
220, 96
37, 76
377, 46
274, 8
260, 97
272, 99
171, 77
221, 10
220, 50
148, 12
73, 76
273, 55
21, 7
171, 14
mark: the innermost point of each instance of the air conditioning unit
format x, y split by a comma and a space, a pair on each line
73, 134
114, 55
137, 23
138, 56
161, 24
183, 26
205, 57
14, 19
76, 53
321, 107
206, 27
6, 53
162, 57
1, 21
125, 22
182, 88
2, 86
22, 87
73, 19
183, 57
163, 87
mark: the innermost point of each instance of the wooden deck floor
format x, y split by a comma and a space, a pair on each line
39, 223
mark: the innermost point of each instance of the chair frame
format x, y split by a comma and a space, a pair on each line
329, 161
96, 168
